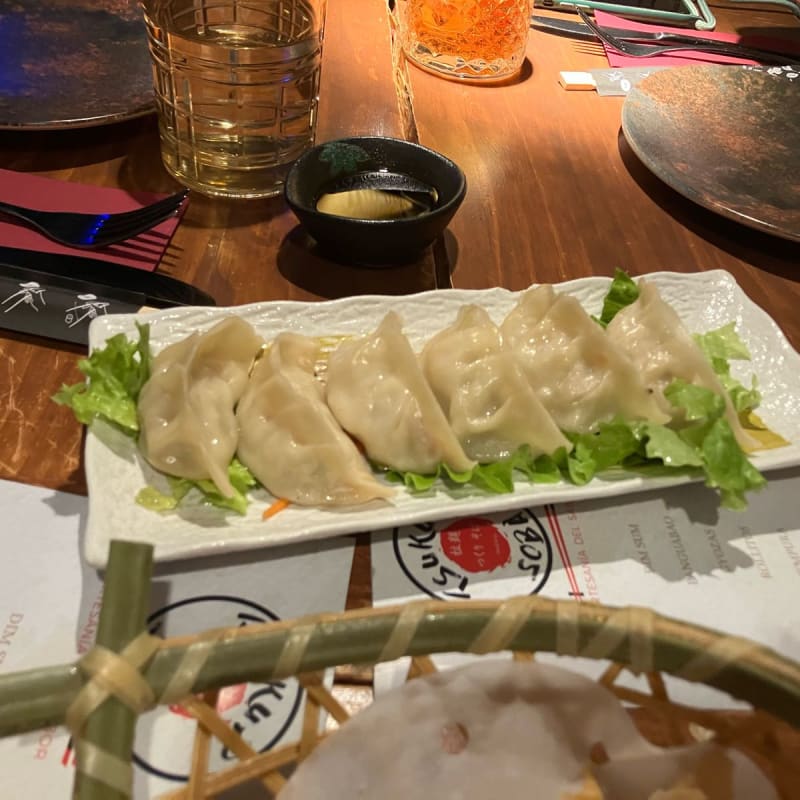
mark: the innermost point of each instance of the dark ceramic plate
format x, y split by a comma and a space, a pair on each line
72, 63
727, 137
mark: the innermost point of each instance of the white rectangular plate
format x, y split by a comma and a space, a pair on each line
116, 472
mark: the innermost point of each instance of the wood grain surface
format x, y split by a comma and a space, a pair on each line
556, 193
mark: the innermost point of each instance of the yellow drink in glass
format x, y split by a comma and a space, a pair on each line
479, 40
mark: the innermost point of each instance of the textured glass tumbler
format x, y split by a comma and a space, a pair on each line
237, 88
479, 41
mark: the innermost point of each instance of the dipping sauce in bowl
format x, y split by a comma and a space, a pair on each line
374, 201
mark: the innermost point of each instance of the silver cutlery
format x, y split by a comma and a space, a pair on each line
630, 47
578, 30
92, 231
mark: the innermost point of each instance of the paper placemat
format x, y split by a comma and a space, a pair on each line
50, 606
672, 551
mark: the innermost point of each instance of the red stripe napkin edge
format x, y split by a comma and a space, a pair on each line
46, 194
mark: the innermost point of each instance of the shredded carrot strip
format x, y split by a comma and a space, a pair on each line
275, 508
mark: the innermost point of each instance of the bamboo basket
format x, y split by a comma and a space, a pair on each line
129, 672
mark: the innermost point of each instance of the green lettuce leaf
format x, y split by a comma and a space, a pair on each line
727, 467
496, 477
413, 481
155, 500
239, 475
723, 343
744, 400
705, 445
697, 402
115, 375
622, 292
544, 468
721, 346
610, 446
724, 463
670, 448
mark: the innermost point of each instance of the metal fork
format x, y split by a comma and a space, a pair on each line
641, 50
91, 231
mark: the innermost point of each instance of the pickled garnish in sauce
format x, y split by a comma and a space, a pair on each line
372, 204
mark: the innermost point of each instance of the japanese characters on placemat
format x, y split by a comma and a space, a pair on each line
50, 616
673, 552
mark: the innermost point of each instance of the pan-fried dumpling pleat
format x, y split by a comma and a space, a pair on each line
651, 333
379, 395
580, 376
486, 398
186, 408
290, 440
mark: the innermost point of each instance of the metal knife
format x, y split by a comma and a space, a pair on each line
57, 296
580, 31
568, 27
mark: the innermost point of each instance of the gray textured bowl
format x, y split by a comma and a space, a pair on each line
373, 242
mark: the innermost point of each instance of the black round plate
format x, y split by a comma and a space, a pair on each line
726, 137
72, 63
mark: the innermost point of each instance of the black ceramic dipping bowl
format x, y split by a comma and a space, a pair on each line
368, 242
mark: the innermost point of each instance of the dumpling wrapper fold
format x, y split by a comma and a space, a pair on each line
652, 335
581, 377
480, 387
186, 408
289, 438
377, 392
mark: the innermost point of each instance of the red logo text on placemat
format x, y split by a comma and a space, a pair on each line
459, 559
476, 545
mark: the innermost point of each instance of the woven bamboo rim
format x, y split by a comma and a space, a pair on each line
146, 671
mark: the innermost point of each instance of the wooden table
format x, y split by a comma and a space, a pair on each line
554, 193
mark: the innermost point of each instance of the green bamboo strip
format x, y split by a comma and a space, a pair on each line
126, 601
763, 677
37, 698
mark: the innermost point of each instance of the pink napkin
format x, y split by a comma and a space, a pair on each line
142, 252
683, 57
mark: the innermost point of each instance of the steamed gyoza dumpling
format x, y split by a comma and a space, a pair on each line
510, 730
379, 395
186, 408
486, 398
651, 333
580, 376
290, 440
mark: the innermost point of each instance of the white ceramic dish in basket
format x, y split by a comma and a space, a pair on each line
116, 472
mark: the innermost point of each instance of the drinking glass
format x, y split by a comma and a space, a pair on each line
472, 40
236, 89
